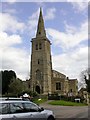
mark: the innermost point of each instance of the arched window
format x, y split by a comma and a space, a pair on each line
38, 75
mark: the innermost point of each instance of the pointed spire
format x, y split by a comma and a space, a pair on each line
41, 29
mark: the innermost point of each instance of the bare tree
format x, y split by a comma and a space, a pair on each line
85, 79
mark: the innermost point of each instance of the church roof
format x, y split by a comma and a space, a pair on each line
58, 74
72, 79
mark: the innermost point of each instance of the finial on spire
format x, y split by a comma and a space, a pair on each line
40, 9
41, 29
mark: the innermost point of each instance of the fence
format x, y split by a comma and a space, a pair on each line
64, 97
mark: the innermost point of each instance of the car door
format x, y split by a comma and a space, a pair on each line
33, 111
17, 111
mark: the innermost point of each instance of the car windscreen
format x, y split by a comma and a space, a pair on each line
31, 107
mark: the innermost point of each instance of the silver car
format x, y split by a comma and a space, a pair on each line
23, 110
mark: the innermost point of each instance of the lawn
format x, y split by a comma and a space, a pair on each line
66, 103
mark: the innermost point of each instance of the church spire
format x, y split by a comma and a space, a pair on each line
41, 29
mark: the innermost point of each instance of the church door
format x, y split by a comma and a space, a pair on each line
38, 89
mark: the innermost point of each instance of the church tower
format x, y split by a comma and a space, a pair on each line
41, 63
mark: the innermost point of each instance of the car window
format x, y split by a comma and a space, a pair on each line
4, 108
30, 107
16, 107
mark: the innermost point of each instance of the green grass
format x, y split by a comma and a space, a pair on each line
66, 103
39, 101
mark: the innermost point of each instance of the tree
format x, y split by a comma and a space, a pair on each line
16, 87
0, 83
5, 79
86, 78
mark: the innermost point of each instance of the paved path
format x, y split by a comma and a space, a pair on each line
67, 111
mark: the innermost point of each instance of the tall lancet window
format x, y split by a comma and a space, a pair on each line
40, 46
38, 75
36, 46
38, 61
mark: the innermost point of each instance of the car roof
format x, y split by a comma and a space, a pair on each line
15, 101
10, 98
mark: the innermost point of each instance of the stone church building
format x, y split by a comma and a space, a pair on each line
43, 79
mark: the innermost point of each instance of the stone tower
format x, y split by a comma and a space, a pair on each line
41, 64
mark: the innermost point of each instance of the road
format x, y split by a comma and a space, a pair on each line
68, 111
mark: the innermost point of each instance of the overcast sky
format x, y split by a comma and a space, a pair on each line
66, 25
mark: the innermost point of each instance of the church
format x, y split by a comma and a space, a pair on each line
43, 79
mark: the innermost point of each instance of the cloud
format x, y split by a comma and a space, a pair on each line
10, 1
80, 6
10, 23
32, 22
16, 59
40, 4
10, 11
7, 41
45, 1
74, 58
71, 38
50, 14
71, 63
13, 58
70, 0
